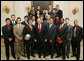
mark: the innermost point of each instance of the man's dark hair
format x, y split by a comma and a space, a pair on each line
25, 16
7, 19
57, 5
12, 15
18, 18
66, 18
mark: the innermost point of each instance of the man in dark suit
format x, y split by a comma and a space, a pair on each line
29, 29
53, 14
40, 36
39, 9
37, 15
61, 37
50, 9
13, 21
76, 39
32, 12
68, 37
25, 22
57, 20
59, 12
51, 34
7, 31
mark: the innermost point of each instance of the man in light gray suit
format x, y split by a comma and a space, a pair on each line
68, 37
19, 45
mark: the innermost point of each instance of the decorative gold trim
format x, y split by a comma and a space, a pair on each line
51, 3
31, 3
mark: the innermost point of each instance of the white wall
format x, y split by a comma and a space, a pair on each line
18, 8
3, 14
67, 6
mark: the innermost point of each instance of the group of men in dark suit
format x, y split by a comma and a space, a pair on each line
48, 32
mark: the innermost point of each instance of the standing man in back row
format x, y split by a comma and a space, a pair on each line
59, 12
13, 21
76, 39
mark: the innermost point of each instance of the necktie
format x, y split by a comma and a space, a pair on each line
8, 27
13, 22
39, 29
75, 32
31, 28
19, 27
60, 28
56, 21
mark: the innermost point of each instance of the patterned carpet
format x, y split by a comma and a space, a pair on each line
3, 56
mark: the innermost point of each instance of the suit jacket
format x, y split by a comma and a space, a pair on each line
69, 33
53, 16
31, 14
13, 24
18, 33
57, 23
51, 32
79, 32
24, 23
42, 34
59, 13
63, 32
7, 33
27, 30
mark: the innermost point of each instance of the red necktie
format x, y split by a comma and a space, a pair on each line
56, 21
8, 26
60, 28
31, 28
39, 29
19, 27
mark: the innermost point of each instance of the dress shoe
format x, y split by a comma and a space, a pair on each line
51, 56
67, 56
39, 56
28, 57
33, 55
63, 58
14, 57
44, 56
18, 58
73, 55
7, 58
57, 56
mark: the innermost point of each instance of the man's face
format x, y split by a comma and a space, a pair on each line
38, 12
66, 21
53, 11
8, 22
75, 23
38, 7
57, 18
30, 22
18, 21
33, 18
46, 11
32, 8
57, 7
62, 20
50, 6
38, 21
51, 21
41, 17
26, 19
13, 17
48, 17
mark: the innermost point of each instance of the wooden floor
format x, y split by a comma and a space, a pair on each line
3, 56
